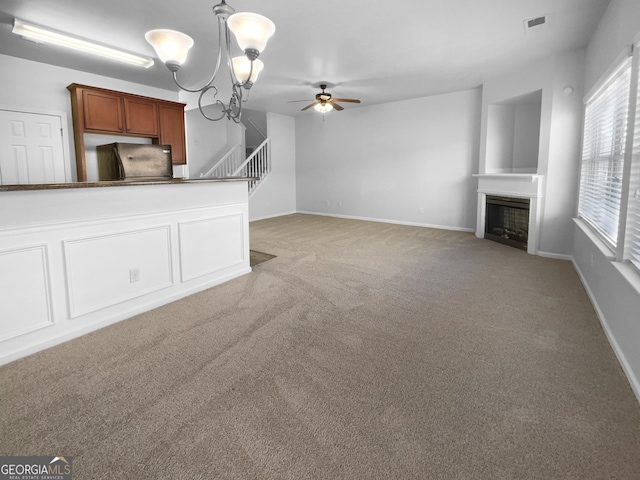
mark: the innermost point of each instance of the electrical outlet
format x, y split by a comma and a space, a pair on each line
326, 203
134, 275
339, 204
421, 209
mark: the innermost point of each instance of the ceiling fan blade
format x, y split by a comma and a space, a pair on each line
336, 106
309, 106
351, 100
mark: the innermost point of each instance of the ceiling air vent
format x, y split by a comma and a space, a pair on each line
535, 25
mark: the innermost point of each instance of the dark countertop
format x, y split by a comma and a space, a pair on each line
119, 183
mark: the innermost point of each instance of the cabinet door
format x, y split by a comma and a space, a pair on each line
172, 131
102, 111
141, 116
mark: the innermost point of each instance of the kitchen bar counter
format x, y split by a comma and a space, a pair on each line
118, 183
74, 258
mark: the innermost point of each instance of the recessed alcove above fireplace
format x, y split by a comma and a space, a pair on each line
513, 134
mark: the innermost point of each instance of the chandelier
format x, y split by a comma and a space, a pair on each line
252, 31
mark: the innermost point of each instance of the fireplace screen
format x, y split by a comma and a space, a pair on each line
507, 220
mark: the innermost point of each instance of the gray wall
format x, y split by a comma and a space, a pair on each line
277, 195
405, 162
253, 138
614, 288
206, 140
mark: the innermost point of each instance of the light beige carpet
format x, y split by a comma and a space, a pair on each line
363, 351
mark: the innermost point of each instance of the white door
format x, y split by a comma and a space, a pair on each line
30, 148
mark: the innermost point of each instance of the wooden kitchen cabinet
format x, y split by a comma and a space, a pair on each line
102, 111
98, 110
172, 131
141, 116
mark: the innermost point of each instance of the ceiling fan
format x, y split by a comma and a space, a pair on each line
324, 102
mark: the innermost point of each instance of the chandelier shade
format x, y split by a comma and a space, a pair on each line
171, 46
242, 68
252, 31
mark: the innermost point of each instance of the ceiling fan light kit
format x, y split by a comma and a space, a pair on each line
323, 107
252, 32
324, 101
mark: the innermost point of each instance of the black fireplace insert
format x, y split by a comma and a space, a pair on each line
507, 221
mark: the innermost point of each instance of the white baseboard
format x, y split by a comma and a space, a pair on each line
557, 256
385, 220
281, 214
622, 359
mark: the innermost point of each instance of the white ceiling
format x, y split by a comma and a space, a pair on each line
374, 51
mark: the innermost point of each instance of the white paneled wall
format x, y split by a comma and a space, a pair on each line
106, 269
75, 260
226, 249
24, 271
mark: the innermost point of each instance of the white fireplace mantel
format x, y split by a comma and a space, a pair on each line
518, 185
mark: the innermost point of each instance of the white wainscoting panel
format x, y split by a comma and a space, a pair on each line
24, 272
78, 259
105, 270
210, 245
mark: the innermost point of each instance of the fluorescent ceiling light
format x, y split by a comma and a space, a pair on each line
40, 34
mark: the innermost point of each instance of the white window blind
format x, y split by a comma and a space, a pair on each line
632, 243
603, 151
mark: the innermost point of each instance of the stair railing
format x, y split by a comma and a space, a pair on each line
228, 164
257, 165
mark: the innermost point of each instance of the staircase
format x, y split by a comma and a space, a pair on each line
233, 164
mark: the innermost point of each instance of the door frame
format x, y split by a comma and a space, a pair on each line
66, 154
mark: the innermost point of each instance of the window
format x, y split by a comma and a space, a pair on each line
603, 152
610, 174
632, 242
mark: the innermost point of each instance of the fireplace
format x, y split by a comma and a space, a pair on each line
521, 196
507, 220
